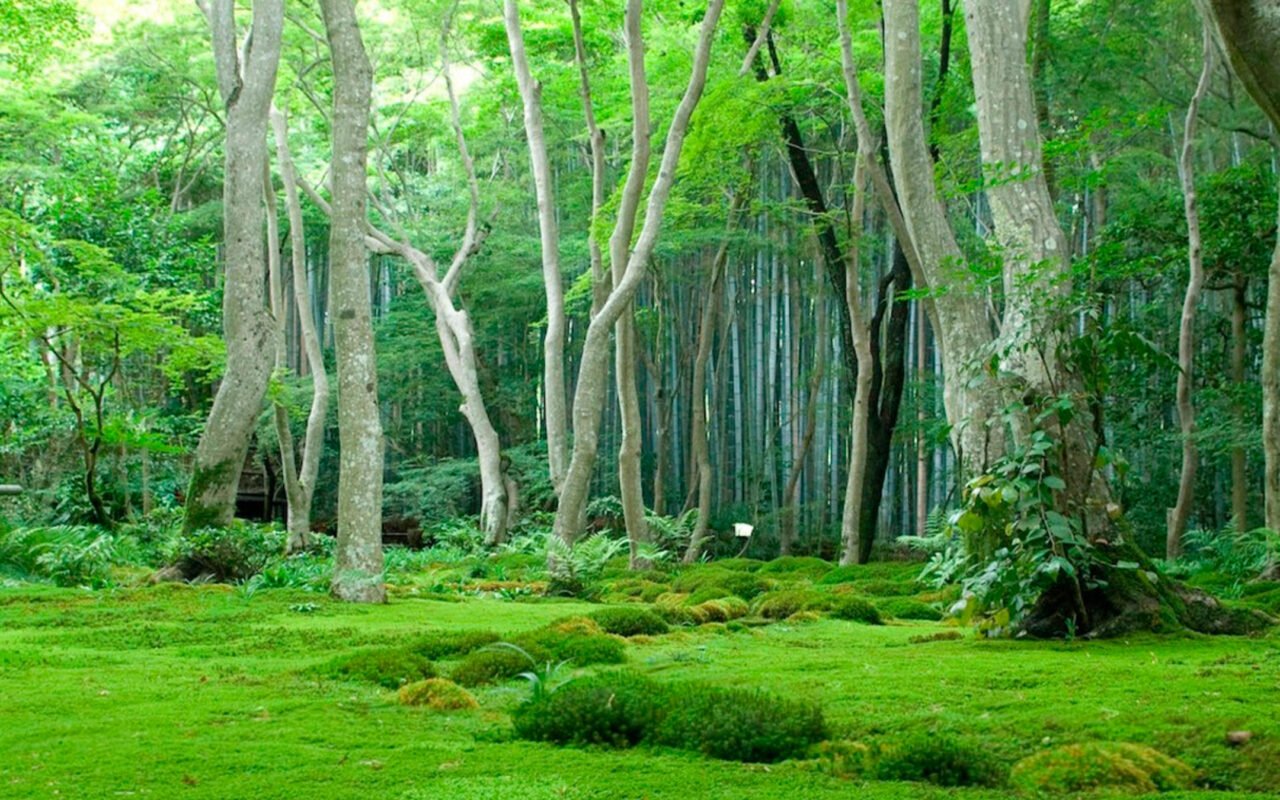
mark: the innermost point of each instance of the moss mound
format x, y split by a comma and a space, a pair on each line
437, 694
908, 608
629, 621
443, 644
722, 610
793, 567
939, 760
390, 668
856, 609
786, 602
1115, 767
746, 585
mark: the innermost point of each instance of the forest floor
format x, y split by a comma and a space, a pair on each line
183, 691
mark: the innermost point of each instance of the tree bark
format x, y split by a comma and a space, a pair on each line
588, 403
1250, 33
1239, 354
300, 481
851, 531
358, 565
1181, 512
246, 84
554, 389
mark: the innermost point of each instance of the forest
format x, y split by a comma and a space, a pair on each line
609, 398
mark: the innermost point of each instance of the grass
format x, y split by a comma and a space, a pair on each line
210, 692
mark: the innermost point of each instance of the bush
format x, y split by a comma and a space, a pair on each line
1117, 767
615, 709
856, 609
438, 694
907, 608
739, 725
234, 553
630, 621
390, 668
496, 663
940, 760
797, 567
785, 602
442, 644
68, 555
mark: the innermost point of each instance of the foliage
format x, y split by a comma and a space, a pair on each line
438, 694
572, 569
1242, 555
389, 668
234, 553
629, 621
939, 759
68, 555
1122, 767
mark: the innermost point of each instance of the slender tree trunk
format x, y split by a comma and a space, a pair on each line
851, 531
300, 481
1239, 354
357, 571
1181, 513
554, 389
588, 406
246, 88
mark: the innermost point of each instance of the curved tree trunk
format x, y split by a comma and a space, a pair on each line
851, 522
246, 85
1181, 512
358, 565
554, 388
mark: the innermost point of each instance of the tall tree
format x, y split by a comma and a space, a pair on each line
246, 82
357, 571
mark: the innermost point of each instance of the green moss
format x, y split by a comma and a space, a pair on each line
938, 759
907, 608
629, 621
721, 610
199, 514
740, 564
437, 694
443, 644
856, 609
741, 584
806, 567
1116, 767
389, 668
785, 602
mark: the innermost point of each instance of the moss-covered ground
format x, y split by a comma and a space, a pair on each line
211, 692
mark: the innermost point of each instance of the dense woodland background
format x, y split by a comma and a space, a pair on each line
111, 167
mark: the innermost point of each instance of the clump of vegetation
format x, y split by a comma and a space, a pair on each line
443, 644
580, 649
629, 621
741, 564
389, 668
783, 603
746, 585
883, 588
940, 636
1117, 767
940, 760
740, 724
497, 663
614, 709
438, 694
796, 567
67, 555
856, 609
722, 610
846, 574
234, 553
907, 608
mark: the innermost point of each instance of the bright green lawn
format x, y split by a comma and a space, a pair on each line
180, 692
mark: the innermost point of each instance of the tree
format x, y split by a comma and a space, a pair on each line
357, 570
246, 85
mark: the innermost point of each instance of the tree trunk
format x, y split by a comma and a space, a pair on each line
358, 566
851, 529
1250, 32
1239, 354
246, 88
300, 481
1181, 512
554, 389
589, 398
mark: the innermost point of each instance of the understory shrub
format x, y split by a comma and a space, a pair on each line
783, 603
390, 668
438, 694
234, 553
615, 709
68, 555
940, 760
739, 724
629, 621
856, 609
907, 608
1117, 767
442, 644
